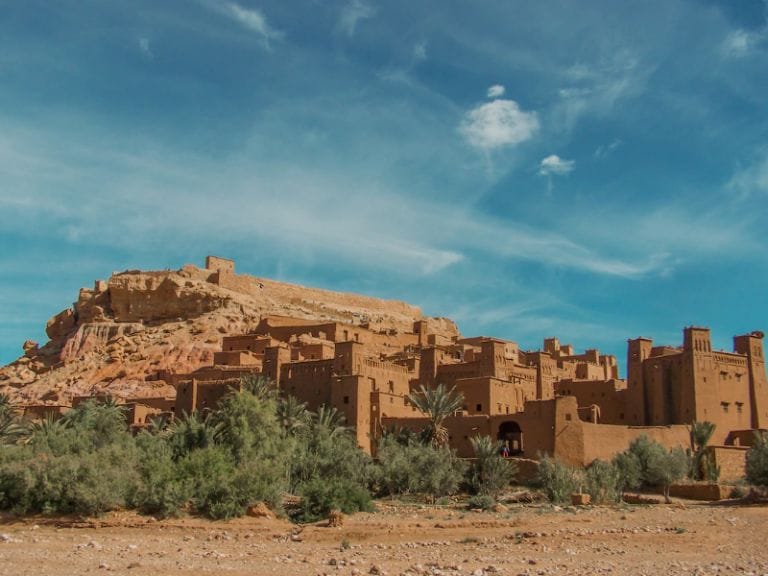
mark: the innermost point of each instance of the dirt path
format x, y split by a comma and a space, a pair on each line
532, 540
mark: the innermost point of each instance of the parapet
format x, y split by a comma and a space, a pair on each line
219, 264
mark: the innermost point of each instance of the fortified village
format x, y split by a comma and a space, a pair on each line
364, 357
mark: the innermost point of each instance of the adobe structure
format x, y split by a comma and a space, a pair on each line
548, 401
551, 400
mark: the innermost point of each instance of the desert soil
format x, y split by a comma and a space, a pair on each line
682, 538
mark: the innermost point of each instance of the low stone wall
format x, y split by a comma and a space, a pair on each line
527, 469
707, 492
731, 460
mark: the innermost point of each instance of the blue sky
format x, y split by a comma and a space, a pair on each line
591, 170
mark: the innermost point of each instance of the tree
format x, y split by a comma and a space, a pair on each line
757, 460
490, 472
702, 466
329, 419
11, 430
292, 415
664, 467
259, 385
192, 432
437, 404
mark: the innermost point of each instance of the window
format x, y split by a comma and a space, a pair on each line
739, 407
725, 406
479, 408
568, 417
346, 399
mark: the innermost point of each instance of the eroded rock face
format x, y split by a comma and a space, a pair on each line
121, 334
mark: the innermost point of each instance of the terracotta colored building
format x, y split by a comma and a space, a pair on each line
552, 400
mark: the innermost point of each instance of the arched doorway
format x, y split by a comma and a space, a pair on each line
512, 435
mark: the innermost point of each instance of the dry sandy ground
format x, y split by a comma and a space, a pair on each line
404, 539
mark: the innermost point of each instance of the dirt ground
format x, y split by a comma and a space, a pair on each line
682, 538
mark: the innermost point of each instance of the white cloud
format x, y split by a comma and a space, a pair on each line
751, 180
352, 13
146, 48
420, 52
741, 43
554, 165
496, 91
596, 89
498, 123
607, 149
253, 20
738, 43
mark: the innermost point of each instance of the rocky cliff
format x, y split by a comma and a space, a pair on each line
120, 335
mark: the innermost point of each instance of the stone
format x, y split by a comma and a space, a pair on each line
30, 348
259, 510
580, 499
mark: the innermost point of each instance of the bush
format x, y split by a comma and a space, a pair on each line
629, 471
603, 482
481, 501
490, 473
558, 480
87, 484
418, 468
320, 496
757, 460
160, 489
210, 473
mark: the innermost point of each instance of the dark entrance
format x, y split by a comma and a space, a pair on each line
512, 436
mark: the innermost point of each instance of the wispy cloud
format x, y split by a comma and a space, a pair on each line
741, 43
378, 227
595, 88
605, 150
554, 165
752, 180
145, 48
498, 123
253, 20
419, 52
352, 13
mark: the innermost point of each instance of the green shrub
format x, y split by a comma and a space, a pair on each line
481, 501
558, 480
603, 482
629, 470
757, 460
490, 473
160, 489
320, 496
87, 484
419, 468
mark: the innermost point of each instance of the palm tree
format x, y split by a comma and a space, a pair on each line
45, 430
331, 419
701, 433
490, 473
191, 432
292, 415
10, 427
437, 404
259, 385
